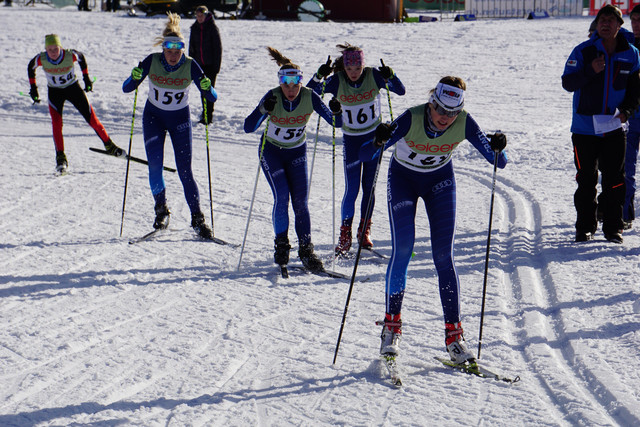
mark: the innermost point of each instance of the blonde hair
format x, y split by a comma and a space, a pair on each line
171, 28
281, 60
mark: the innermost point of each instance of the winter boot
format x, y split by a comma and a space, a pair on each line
281, 250
344, 243
455, 344
200, 227
61, 162
113, 149
309, 259
391, 334
162, 217
366, 239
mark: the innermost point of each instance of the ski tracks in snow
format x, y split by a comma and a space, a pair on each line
586, 394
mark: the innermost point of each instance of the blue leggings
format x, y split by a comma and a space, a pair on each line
438, 190
353, 170
286, 173
155, 124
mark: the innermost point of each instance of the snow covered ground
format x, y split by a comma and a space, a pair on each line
94, 331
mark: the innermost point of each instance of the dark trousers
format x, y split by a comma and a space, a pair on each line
593, 153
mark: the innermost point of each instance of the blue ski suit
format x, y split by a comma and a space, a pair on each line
421, 167
365, 112
283, 156
167, 110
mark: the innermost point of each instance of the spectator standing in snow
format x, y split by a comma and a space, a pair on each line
205, 47
357, 89
602, 73
283, 154
171, 73
421, 167
62, 84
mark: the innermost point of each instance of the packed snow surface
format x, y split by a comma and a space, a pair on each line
95, 331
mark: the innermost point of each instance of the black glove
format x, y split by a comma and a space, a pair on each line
325, 69
497, 141
88, 86
385, 71
383, 133
335, 106
268, 105
33, 93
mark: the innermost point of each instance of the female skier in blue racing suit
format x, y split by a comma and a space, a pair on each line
357, 88
283, 155
167, 110
421, 167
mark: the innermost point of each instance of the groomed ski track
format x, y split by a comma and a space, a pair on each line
167, 333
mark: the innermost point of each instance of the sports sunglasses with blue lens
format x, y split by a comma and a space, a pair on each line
290, 80
290, 76
173, 45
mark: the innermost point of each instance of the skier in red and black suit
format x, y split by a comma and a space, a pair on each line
62, 83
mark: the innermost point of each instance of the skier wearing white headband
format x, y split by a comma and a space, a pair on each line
425, 137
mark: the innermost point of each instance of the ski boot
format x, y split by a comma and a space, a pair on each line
162, 217
281, 250
456, 347
366, 239
391, 334
309, 259
61, 162
344, 243
113, 150
200, 227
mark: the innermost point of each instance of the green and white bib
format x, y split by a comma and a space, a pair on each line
169, 90
360, 106
287, 129
418, 152
59, 75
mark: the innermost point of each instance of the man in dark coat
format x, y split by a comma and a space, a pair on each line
205, 47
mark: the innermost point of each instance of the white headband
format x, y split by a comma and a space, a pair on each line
449, 97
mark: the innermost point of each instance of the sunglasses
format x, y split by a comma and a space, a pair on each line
444, 111
288, 80
173, 45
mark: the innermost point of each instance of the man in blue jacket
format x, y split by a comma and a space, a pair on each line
602, 73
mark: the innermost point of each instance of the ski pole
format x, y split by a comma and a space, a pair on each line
389, 100
361, 239
255, 187
486, 259
206, 136
357, 260
333, 193
315, 143
126, 176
